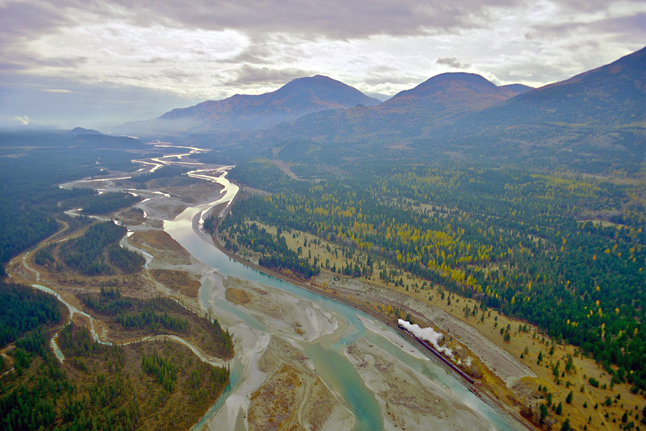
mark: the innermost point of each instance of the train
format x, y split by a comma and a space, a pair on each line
455, 368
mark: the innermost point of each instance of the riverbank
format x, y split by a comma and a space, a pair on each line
354, 300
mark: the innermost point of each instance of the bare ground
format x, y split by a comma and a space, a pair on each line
293, 397
190, 193
179, 281
287, 314
164, 248
407, 399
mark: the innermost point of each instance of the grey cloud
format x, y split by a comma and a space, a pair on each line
267, 49
16, 59
334, 19
634, 26
276, 29
29, 18
249, 75
177, 75
155, 60
530, 72
589, 6
8, 65
452, 62
254, 54
392, 80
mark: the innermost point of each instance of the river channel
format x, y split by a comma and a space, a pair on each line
331, 364
325, 353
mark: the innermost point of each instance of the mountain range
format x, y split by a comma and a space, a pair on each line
592, 121
596, 118
253, 112
410, 113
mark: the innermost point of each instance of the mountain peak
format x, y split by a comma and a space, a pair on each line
308, 80
448, 94
82, 131
328, 89
458, 77
299, 97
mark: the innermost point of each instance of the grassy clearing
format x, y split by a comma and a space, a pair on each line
179, 281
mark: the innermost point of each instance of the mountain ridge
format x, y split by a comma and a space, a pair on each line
295, 99
433, 103
592, 121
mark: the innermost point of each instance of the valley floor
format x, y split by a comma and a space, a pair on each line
279, 387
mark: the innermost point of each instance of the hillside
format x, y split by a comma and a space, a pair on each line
448, 94
410, 113
254, 112
591, 121
610, 95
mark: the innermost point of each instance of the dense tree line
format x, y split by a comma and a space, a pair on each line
50, 400
127, 261
260, 173
110, 302
275, 254
86, 254
133, 313
153, 315
95, 389
44, 256
514, 240
19, 231
161, 368
149, 319
24, 309
107, 202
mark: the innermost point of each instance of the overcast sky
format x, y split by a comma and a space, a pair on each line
93, 63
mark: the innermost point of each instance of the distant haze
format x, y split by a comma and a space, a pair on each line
66, 63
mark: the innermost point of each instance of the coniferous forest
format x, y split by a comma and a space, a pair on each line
158, 315
98, 386
24, 310
560, 250
105, 203
87, 253
30, 197
143, 385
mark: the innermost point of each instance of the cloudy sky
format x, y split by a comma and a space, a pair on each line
93, 63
